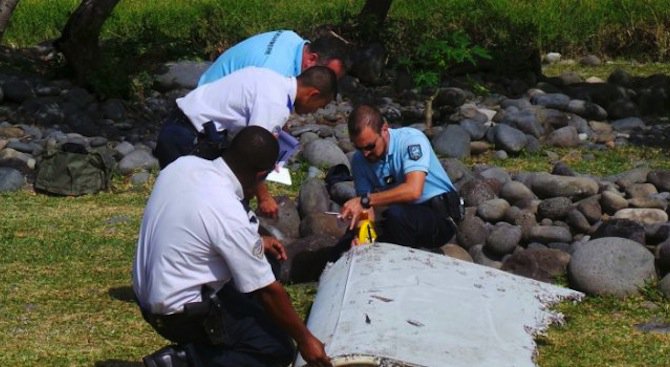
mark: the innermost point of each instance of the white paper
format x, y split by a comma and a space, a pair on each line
281, 175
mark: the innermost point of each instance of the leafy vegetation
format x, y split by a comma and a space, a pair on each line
141, 34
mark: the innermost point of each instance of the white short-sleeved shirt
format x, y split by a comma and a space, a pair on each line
195, 231
249, 96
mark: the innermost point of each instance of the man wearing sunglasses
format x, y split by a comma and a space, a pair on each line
398, 170
201, 273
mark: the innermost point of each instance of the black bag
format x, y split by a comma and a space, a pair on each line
73, 169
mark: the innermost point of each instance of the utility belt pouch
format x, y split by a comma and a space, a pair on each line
214, 322
211, 143
455, 205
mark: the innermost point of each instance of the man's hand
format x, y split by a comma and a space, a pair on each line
351, 210
267, 205
277, 304
313, 352
274, 248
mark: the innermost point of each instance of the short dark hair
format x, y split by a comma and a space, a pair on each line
255, 147
363, 116
321, 78
330, 48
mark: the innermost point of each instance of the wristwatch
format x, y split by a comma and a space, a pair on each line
365, 201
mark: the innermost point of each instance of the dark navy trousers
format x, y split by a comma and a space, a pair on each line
414, 225
176, 138
250, 337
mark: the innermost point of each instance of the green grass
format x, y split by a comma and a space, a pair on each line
65, 295
141, 34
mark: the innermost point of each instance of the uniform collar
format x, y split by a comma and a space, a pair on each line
225, 171
292, 93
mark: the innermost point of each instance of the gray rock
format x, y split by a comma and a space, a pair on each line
554, 208
632, 176
551, 100
549, 233
137, 160
545, 265
590, 60
482, 257
520, 103
514, 192
612, 202
547, 185
476, 129
503, 239
456, 252
587, 110
471, 231
453, 142
590, 208
11, 179
664, 286
622, 228
12, 158
476, 191
651, 202
578, 221
611, 266
643, 215
306, 258
493, 210
113, 109
552, 118
183, 74
508, 138
124, 148
627, 124
319, 223
342, 191
565, 137
660, 179
496, 173
526, 121
324, 153
313, 197
641, 190
286, 226
140, 179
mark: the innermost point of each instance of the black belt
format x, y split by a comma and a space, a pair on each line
199, 322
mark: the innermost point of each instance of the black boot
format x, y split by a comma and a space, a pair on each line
170, 356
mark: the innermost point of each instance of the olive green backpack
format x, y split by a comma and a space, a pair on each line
73, 169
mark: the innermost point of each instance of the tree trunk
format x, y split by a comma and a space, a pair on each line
6, 10
373, 14
79, 39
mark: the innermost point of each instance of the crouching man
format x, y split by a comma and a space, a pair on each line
398, 170
200, 272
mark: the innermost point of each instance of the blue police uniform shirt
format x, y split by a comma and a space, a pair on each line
409, 150
280, 51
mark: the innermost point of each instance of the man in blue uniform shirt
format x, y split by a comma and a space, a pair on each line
398, 169
282, 51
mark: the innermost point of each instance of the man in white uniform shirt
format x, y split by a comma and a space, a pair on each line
249, 96
200, 273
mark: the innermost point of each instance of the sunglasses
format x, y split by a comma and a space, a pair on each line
370, 147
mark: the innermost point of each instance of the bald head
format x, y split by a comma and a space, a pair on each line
364, 116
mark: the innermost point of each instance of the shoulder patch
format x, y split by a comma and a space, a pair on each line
414, 152
258, 248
